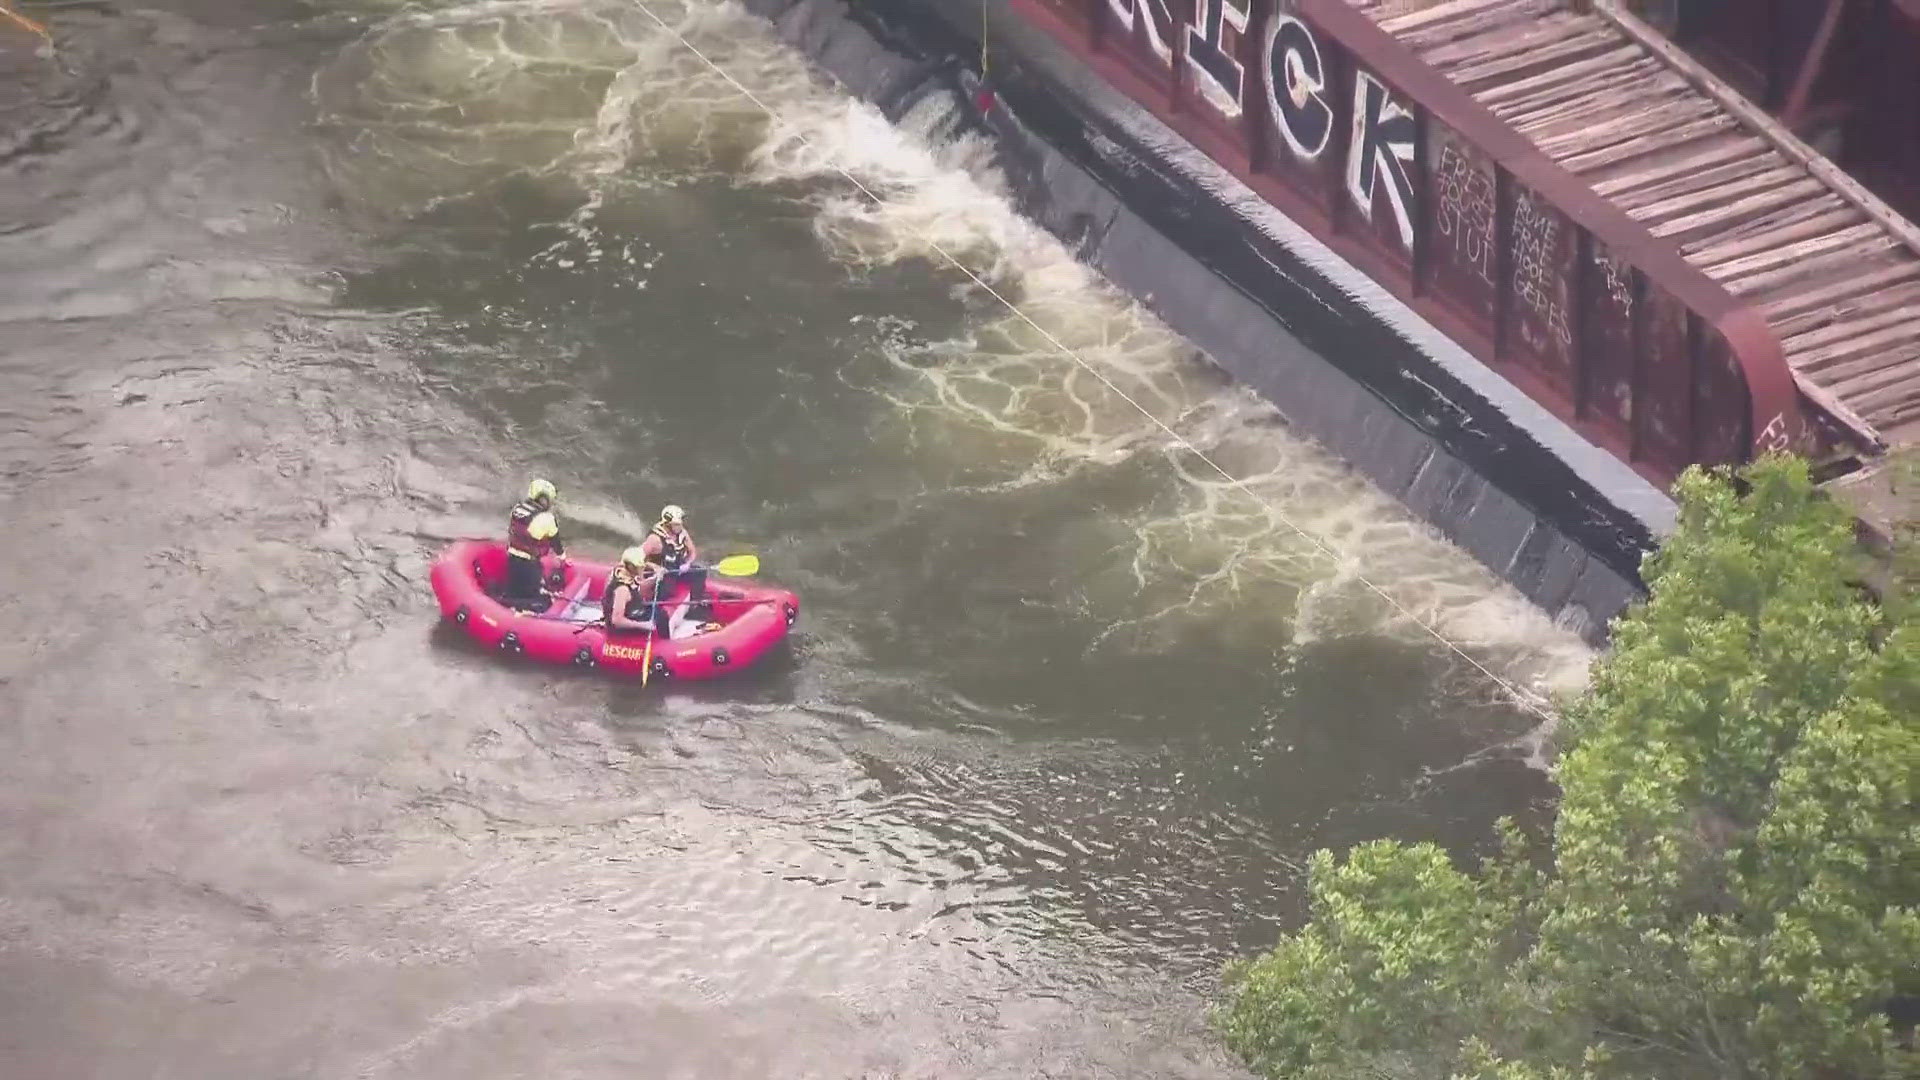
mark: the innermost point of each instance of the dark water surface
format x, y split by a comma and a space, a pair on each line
292, 294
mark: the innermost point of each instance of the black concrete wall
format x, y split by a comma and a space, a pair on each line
1264, 313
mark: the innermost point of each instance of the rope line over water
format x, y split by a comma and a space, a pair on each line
1530, 702
7, 12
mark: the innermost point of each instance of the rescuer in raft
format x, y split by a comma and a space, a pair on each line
629, 592
669, 546
532, 534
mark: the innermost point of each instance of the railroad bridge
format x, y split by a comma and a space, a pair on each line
1588, 207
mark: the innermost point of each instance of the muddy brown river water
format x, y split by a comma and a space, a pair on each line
291, 294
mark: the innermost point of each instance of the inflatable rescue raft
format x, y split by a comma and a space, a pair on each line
747, 619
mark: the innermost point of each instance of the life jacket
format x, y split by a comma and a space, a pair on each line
520, 540
636, 606
673, 548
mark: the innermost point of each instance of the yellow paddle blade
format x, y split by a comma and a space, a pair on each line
738, 566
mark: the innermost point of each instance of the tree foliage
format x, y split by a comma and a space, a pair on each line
1904, 577
1733, 886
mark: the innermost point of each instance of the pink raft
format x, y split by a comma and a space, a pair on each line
752, 618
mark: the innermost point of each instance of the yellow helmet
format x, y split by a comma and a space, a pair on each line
542, 489
633, 557
673, 514
542, 527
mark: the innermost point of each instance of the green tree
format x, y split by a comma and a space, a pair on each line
1733, 886
1904, 572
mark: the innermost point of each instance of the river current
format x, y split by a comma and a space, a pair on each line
292, 294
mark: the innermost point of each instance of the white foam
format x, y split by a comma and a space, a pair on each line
454, 97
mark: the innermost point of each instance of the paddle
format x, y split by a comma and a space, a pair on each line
731, 566
737, 566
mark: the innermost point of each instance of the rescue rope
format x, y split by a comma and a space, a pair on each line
984, 99
6, 9
984, 73
1529, 702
